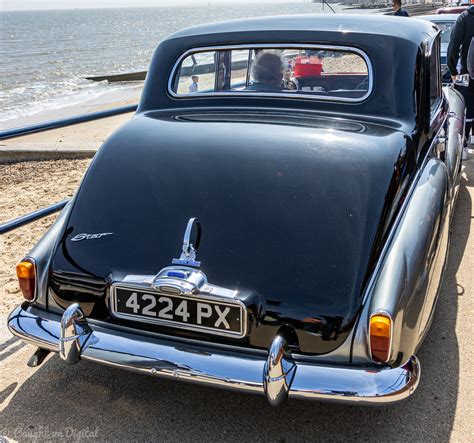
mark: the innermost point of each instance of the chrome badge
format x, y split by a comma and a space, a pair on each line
80, 237
188, 254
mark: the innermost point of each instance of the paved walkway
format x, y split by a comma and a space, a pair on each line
78, 141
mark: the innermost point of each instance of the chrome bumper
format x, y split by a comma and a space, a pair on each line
276, 375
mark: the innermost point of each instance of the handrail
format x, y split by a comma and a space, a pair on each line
25, 219
324, 2
60, 123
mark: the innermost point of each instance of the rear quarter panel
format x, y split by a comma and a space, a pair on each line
407, 283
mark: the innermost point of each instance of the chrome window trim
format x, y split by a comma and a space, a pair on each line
439, 100
437, 110
352, 49
177, 325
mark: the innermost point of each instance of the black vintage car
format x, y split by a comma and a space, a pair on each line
274, 219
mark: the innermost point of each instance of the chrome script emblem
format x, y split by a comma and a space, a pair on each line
188, 254
80, 237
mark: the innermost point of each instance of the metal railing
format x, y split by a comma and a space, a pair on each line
47, 126
36, 215
54, 124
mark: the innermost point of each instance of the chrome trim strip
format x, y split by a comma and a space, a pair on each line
237, 369
32, 260
197, 297
266, 94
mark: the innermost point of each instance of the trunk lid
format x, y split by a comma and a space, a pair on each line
292, 209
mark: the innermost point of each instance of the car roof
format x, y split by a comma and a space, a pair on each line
395, 46
439, 17
338, 23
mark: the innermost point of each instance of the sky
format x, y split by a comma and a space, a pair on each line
9, 5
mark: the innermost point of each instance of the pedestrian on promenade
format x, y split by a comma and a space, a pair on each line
399, 11
194, 86
458, 50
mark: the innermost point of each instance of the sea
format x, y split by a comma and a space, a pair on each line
46, 55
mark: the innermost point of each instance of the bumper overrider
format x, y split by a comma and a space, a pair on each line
276, 374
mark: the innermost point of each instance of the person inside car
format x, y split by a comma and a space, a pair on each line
267, 73
287, 82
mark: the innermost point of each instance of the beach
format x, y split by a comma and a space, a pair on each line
26, 187
85, 136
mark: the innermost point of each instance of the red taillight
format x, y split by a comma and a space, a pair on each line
380, 333
26, 274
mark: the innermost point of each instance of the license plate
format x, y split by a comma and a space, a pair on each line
184, 312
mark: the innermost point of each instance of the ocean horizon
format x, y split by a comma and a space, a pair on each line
47, 54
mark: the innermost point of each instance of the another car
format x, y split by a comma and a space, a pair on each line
452, 9
247, 233
446, 24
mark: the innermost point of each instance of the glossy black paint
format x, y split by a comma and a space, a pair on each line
295, 197
264, 191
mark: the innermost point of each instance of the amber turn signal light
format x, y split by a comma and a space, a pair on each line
26, 274
380, 331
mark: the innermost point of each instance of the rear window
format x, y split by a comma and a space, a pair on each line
341, 74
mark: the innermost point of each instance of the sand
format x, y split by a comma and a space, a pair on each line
25, 187
88, 135
115, 97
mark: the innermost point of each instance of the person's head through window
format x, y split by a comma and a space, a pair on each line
397, 4
287, 82
314, 57
267, 70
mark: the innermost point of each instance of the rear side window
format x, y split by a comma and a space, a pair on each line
435, 75
342, 74
188, 81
